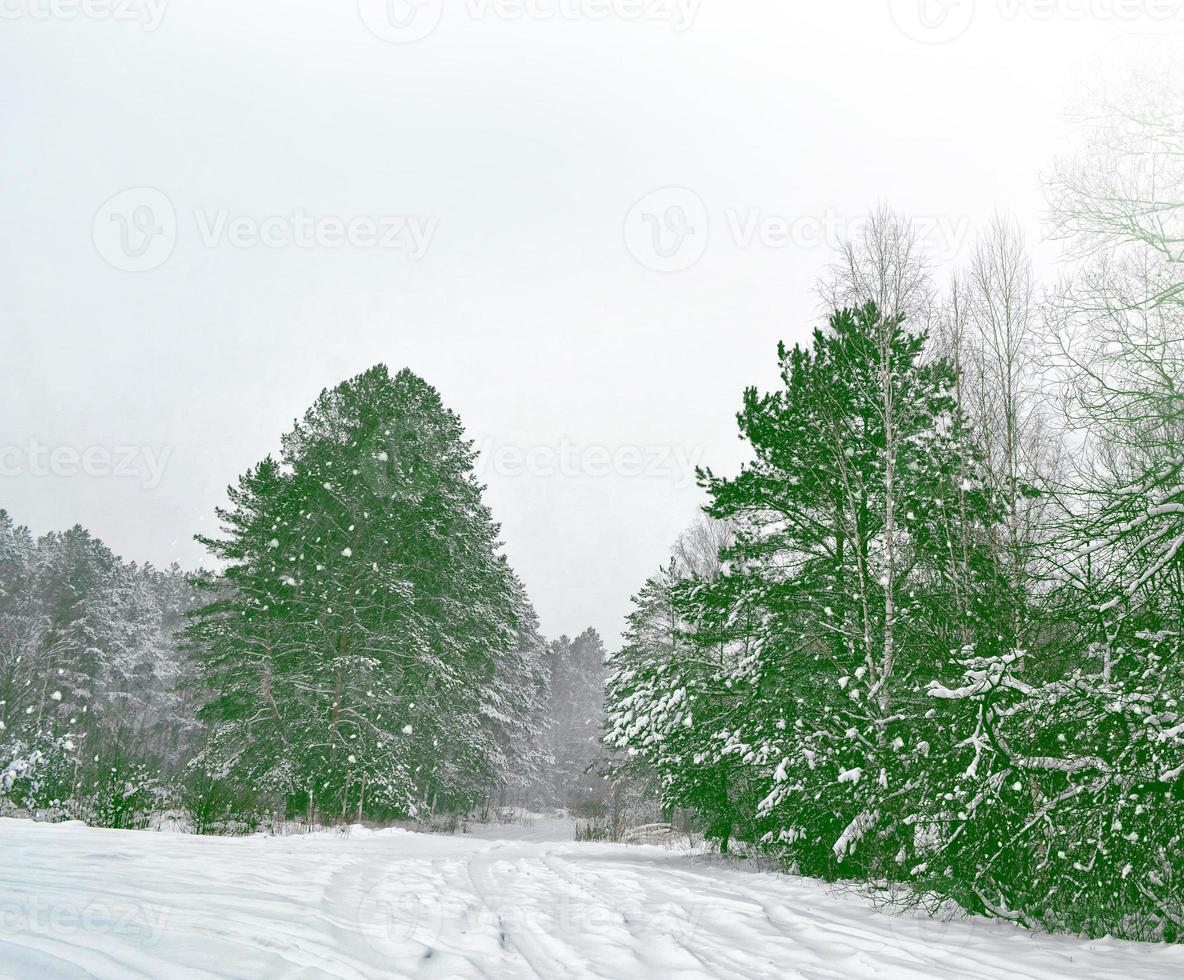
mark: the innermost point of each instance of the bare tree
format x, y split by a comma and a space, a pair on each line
697, 552
1116, 202
1003, 327
884, 263
1119, 329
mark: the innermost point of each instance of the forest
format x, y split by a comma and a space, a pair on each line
927, 640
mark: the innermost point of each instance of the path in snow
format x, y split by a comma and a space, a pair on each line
78, 902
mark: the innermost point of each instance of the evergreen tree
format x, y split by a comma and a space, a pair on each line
89, 666
671, 693
576, 677
853, 574
852, 550
367, 630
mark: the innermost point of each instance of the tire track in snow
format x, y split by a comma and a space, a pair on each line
719, 962
545, 962
254, 907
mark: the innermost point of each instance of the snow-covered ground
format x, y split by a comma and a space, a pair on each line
508, 902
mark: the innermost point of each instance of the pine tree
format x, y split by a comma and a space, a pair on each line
672, 688
853, 574
575, 716
367, 625
89, 664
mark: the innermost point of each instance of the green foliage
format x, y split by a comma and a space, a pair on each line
786, 694
845, 686
218, 806
40, 775
368, 645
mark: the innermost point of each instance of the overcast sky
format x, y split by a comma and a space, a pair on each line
587, 222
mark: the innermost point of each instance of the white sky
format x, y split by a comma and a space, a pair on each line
520, 145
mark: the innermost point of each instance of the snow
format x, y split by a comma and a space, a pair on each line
512, 901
